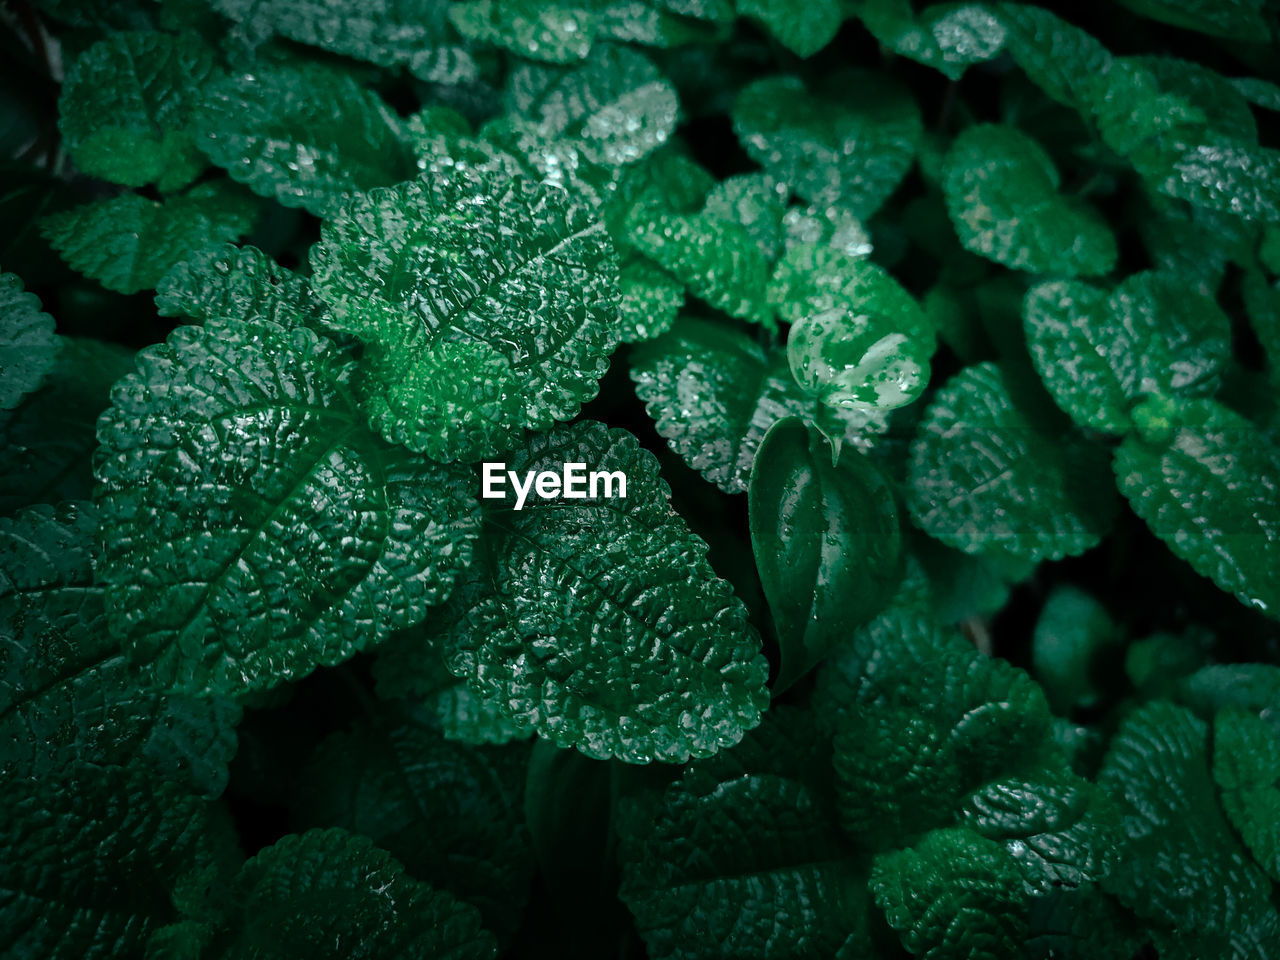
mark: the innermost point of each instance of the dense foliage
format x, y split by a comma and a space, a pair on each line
938, 344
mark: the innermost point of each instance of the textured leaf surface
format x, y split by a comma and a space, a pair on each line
718, 260
306, 136
285, 899
66, 692
651, 299
826, 540
127, 107
1182, 865
1155, 334
714, 392
950, 37
985, 474
28, 344
413, 33
858, 340
1246, 767
127, 243
1058, 828
254, 529
235, 283
804, 29
741, 857
617, 107
955, 895
1059, 58
1208, 483
450, 813
47, 442
484, 305
919, 724
602, 623
827, 148
92, 860
1002, 194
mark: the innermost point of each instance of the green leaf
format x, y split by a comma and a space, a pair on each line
1205, 480
718, 260
601, 622
758, 204
452, 814
67, 693
803, 29
1155, 334
28, 344
1246, 767
989, 475
92, 859
826, 540
1182, 865
1233, 19
829, 226
389, 33
858, 340
304, 135
651, 299
1002, 195
332, 894
955, 896
47, 442
1080, 924
1059, 829
714, 392
127, 243
827, 150
467, 280
254, 529
617, 107
1059, 58
1073, 639
919, 724
742, 858
127, 108
235, 283
1253, 687
950, 37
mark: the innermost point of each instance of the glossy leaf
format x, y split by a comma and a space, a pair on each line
826, 540
955, 895
283, 899
950, 37
1182, 866
988, 473
235, 283
858, 341
1246, 767
93, 859
600, 622
1155, 334
1208, 483
450, 813
826, 148
254, 529
68, 694
389, 33
617, 107
714, 392
127, 108
742, 857
28, 344
1059, 58
651, 299
1002, 193
127, 243
303, 135
485, 306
